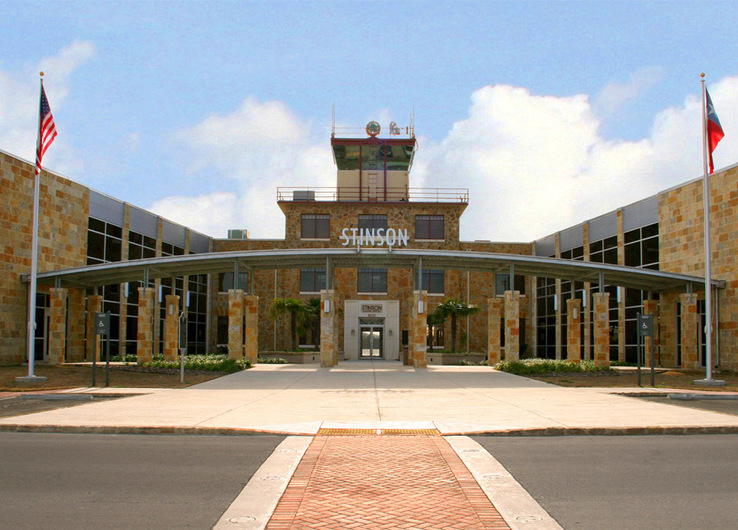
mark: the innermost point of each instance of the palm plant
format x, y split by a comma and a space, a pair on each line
292, 307
454, 308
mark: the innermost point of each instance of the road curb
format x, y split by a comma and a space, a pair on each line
229, 431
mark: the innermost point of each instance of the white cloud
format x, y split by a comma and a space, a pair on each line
19, 97
205, 213
614, 96
251, 151
538, 164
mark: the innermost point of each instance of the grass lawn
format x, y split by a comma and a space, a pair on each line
629, 379
74, 376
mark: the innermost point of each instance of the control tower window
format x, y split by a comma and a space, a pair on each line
315, 226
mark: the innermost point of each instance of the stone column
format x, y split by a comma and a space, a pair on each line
251, 331
600, 314
418, 330
94, 305
235, 323
328, 331
145, 331
494, 343
574, 330
690, 332
651, 307
57, 325
512, 325
171, 327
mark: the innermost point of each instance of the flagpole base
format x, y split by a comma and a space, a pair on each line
31, 379
709, 382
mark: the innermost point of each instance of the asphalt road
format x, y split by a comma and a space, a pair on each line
123, 481
623, 482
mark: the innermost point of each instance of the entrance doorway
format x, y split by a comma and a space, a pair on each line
371, 338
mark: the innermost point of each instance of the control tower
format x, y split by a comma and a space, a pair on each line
374, 168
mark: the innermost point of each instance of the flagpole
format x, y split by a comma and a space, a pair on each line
31, 336
708, 380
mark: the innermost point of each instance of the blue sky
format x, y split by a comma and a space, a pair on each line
549, 112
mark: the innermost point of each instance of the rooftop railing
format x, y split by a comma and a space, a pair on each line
373, 194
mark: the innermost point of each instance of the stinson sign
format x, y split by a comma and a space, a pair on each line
372, 237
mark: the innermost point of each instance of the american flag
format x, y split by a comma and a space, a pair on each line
46, 130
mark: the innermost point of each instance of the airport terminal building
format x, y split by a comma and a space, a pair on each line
375, 256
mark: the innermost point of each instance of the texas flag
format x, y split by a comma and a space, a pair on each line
714, 129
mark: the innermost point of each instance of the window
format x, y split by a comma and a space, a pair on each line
432, 280
225, 281
372, 222
642, 247
502, 283
604, 251
429, 227
103, 242
546, 318
372, 281
315, 226
312, 280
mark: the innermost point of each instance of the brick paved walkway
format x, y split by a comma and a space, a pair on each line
392, 482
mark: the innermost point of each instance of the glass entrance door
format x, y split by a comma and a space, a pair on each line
370, 346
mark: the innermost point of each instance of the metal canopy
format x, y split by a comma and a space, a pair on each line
216, 262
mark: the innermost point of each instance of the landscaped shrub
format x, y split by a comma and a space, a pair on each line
542, 366
271, 360
210, 363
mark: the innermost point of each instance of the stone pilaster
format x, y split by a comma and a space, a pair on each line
600, 314
94, 305
494, 342
573, 330
328, 329
57, 326
690, 332
651, 307
418, 330
512, 325
251, 329
235, 323
145, 331
171, 327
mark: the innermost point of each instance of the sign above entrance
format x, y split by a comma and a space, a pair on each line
374, 237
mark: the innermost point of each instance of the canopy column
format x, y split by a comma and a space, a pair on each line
171, 327
418, 330
145, 331
601, 316
251, 329
235, 323
57, 325
328, 329
494, 339
690, 332
512, 325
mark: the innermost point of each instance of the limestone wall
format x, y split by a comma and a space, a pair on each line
681, 233
64, 208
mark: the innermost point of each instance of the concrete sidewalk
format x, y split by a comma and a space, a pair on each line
301, 399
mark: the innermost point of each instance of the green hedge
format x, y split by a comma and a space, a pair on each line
210, 363
543, 366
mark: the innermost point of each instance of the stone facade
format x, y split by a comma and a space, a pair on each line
682, 240
62, 241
